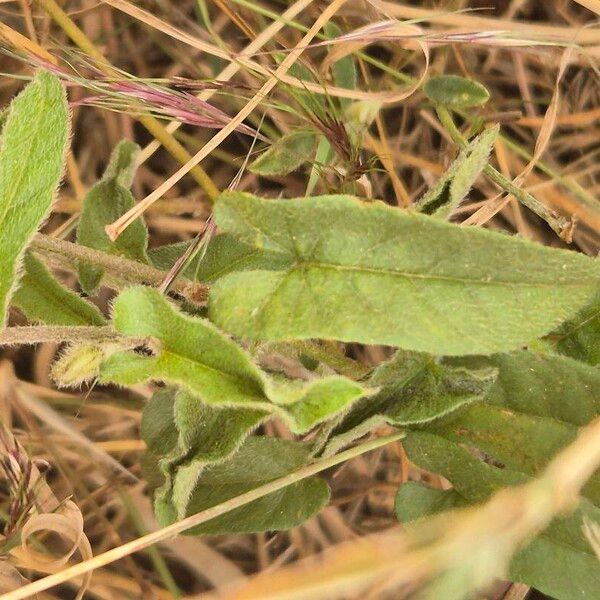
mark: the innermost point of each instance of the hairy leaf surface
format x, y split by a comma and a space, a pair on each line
259, 460
414, 389
109, 199
533, 410
542, 562
43, 299
34, 141
193, 353
370, 273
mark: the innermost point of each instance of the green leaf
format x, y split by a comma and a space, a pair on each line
541, 564
286, 154
445, 197
259, 460
184, 435
414, 389
343, 71
323, 156
459, 92
42, 298
34, 141
108, 200
193, 353
533, 410
579, 337
416, 501
225, 254
379, 275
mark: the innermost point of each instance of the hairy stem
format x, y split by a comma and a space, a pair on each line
38, 334
558, 224
119, 268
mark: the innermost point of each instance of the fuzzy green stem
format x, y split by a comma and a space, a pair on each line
119, 268
39, 334
559, 225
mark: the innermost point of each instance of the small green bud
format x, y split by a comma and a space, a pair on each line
80, 363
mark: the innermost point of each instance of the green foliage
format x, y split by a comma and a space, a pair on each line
195, 354
45, 300
197, 449
34, 141
454, 91
285, 155
258, 461
447, 194
579, 337
184, 435
531, 412
414, 389
380, 275
109, 199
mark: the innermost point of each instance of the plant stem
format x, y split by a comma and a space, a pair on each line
128, 548
39, 334
558, 224
120, 268
154, 126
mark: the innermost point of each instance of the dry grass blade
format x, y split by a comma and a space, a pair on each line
211, 513
115, 229
35, 509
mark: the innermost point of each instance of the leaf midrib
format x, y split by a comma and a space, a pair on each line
306, 265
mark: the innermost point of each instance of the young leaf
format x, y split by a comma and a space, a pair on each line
34, 141
414, 389
379, 275
445, 197
184, 435
459, 92
109, 199
193, 353
286, 154
259, 460
43, 299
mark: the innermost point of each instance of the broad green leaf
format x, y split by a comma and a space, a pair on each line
43, 299
225, 254
109, 199
193, 353
286, 154
34, 141
541, 563
579, 337
414, 389
259, 460
447, 194
452, 90
534, 409
379, 275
